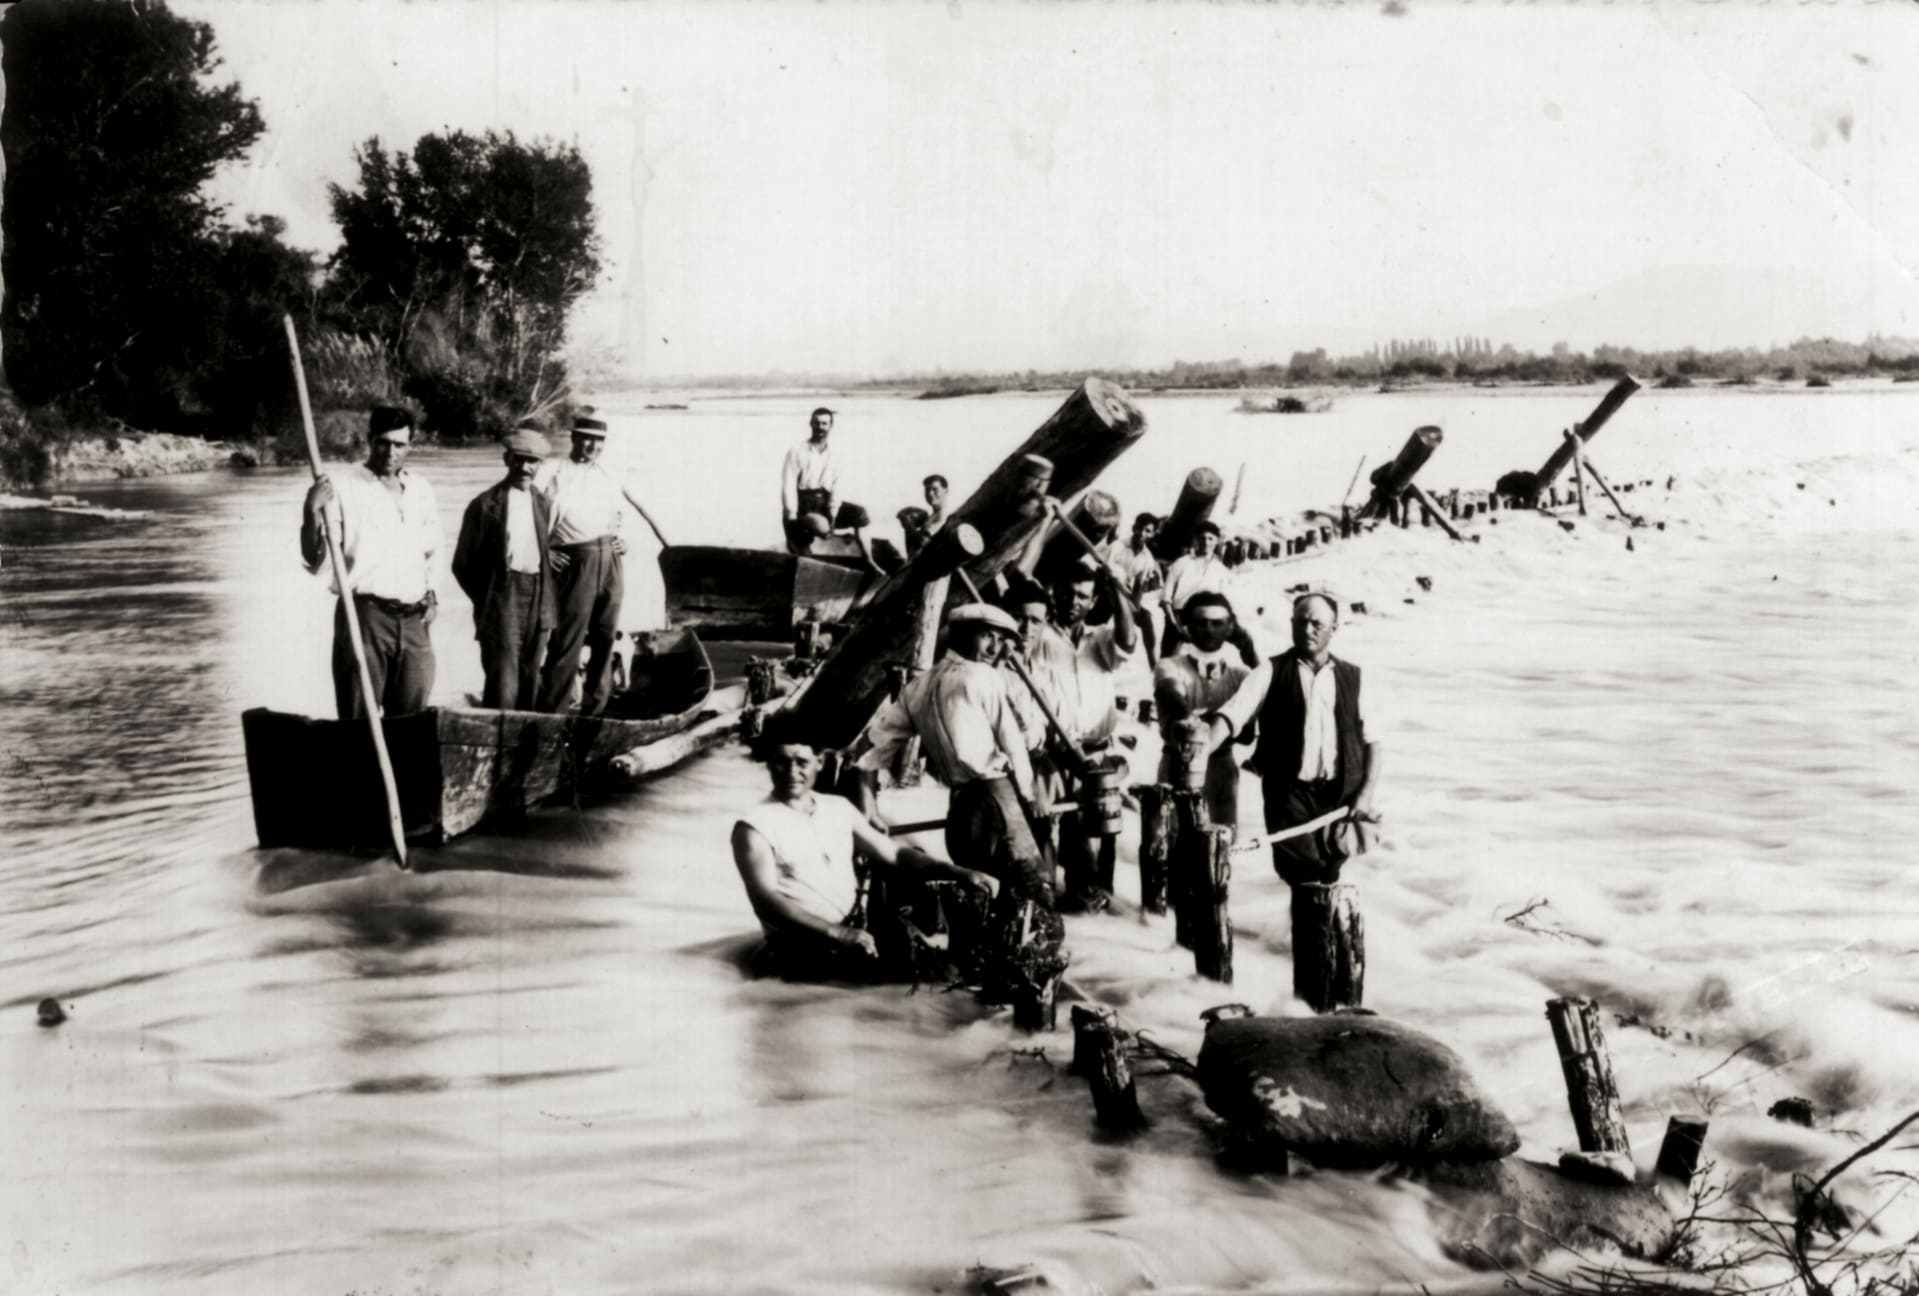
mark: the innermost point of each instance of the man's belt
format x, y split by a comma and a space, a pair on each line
581, 546
392, 607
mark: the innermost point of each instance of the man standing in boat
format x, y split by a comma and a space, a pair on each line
586, 551
962, 712
935, 490
1073, 664
795, 850
1196, 681
810, 506
502, 562
1317, 750
388, 524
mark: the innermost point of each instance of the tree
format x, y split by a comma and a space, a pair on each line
465, 257
112, 253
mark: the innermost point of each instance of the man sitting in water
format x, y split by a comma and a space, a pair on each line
795, 855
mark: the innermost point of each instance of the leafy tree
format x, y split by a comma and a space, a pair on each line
465, 257
112, 254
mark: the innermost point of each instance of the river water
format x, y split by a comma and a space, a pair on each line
533, 1065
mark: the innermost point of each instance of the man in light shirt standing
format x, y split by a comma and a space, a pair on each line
1195, 681
586, 550
1317, 748
971, 737
810, 506
501, 562
388, 525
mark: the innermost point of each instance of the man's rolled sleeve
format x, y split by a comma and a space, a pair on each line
1247, 700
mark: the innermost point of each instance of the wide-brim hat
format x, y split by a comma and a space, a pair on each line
584, 426
528, 441
984, 614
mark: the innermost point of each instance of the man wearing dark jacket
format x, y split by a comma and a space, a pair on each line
502, 564
1316, 750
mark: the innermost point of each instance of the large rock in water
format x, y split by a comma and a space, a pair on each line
1348, 1091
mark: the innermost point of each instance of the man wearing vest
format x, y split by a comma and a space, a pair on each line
1315, 751
501, 562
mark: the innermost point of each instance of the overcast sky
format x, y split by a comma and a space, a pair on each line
889, 187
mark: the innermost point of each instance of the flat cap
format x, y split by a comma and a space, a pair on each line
590, 426
528, 441
983, 614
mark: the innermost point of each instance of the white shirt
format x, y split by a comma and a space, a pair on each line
1204, 681
389, 538
585, 500
812, 852
1319, 752
963, 715
1077, 680
1137, 567
808, 466
522, 541
1191, 574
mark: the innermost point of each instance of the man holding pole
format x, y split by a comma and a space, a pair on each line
1317, 752
586, 551
502, 562
1072, 666
962, 712
387, 522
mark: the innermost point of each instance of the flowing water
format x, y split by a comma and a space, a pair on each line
533, 1065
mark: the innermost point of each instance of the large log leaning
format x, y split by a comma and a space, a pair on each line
1390, 480
1194, 506
1064, 456
1563, 452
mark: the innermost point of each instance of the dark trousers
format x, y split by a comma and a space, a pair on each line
799, 540
399, 657
1309, 858
589, 593
1086, 860
987, 830
510, 643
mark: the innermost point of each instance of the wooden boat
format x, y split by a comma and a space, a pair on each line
316, 783
749, 595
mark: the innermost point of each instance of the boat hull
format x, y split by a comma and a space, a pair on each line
755, 594
316, 783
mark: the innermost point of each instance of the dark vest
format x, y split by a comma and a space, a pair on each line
1282, 726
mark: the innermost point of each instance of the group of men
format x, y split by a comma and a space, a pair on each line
539, 553
1022, 703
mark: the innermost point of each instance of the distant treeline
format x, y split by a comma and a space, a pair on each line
1806, 358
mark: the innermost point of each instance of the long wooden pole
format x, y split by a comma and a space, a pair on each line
1579, 470
1141, 620
1601, 483
646, 517
1019, 669
1297, 830
395, 827
1434, 511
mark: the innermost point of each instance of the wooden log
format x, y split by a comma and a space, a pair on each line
1195, 505
1329, 947
1601, 483
1099, 1054
655, 758
1191, 866
1679, 1152
1158, 827
1433, 513
1562, 453
1390, 480
1063, 456
1213, 924
1579, 471
1591, 1091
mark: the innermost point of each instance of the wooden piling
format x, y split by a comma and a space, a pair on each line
1158, 826
1191, 867
1329, 946
1591, 1091
1679, 1153
762, 678
1099, 1054
1213, 924
1579, 471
